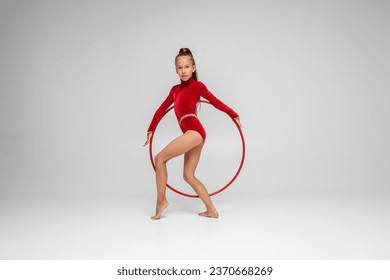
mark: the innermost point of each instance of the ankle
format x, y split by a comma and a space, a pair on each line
162, 201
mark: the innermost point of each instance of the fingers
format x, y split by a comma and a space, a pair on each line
237, 120
149, 136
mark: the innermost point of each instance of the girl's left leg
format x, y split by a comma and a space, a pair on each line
191, 159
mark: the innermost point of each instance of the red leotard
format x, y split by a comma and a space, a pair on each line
185, 97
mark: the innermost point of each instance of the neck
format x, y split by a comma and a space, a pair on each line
188, 82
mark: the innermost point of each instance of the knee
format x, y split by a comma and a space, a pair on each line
189, 178
159, 159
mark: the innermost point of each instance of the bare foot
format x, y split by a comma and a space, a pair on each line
209, 214
160, 207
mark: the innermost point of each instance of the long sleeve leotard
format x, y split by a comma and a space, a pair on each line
185, 96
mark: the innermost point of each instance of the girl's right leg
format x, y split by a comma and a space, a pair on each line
179, 146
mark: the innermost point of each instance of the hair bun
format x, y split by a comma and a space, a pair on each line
184, 51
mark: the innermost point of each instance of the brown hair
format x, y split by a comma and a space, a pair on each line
187, 52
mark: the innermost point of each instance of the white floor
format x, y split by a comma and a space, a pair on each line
273, 226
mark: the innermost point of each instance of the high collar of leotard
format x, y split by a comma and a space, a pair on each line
189, 82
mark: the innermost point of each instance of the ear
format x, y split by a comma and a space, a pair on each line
193, 68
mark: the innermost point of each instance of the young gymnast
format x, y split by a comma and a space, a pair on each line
185, 97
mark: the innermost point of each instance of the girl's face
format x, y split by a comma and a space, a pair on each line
184, 67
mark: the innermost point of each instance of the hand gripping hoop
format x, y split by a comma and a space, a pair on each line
221, 189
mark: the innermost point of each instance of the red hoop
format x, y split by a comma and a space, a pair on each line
221, 189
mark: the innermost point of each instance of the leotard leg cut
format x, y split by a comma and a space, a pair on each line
192, 123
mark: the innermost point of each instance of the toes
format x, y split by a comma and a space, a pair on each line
209, 215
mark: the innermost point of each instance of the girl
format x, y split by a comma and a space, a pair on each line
185, 97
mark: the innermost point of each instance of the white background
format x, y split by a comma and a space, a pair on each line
80, 81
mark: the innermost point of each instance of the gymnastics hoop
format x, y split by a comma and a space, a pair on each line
221, 189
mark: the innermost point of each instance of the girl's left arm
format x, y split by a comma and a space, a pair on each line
205, 93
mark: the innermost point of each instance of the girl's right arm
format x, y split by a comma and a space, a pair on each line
158, 115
